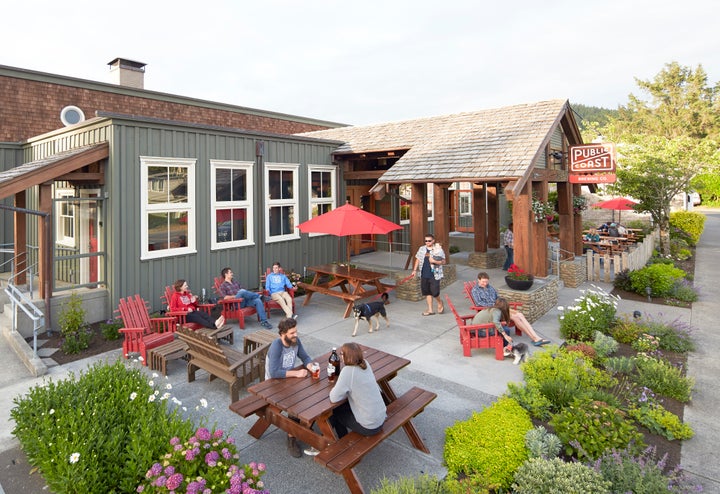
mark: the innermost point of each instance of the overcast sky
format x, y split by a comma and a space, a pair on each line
369, 61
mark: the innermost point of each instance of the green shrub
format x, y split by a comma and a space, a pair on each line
660, 421
541, 444
622, 281
589, 428
641, 473
683, 291
659, 277
454, 249
72, 325
604, 345
675, 336
426, 484
96, 433
620, 365
663, 378
531, 399
646, 343
554, 476
490, 444
110, 330
594, 311
626, 330
689, 222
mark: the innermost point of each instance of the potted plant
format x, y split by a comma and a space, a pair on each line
517, 279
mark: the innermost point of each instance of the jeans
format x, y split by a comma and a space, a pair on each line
252, 299
509, 259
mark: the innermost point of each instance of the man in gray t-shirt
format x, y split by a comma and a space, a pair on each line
281, 361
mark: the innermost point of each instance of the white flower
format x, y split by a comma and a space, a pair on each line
151, 382
560, 308
151, 398
203, 402
168, 386
75, 457
133, 395
176, 401
165, 396
52, 410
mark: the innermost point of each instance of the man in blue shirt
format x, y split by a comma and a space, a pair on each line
281, 361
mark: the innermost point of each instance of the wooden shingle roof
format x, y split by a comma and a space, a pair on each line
500, 143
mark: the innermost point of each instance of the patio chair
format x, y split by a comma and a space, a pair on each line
141, 331
476, 335
272, 304
181, 316
231, 308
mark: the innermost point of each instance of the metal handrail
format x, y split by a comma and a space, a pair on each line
19, 299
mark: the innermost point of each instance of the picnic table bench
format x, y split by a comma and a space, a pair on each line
235, 368
159, 357
346, 283
342, 456
307, 400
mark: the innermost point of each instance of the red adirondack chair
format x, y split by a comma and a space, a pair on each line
232, 307
476, 335
468, 285
141, 331
272, 304
179, 315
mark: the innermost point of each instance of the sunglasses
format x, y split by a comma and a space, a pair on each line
428, 241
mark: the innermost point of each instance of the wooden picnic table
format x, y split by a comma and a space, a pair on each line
346, 283
308, 402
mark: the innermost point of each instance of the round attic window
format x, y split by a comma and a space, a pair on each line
70, 115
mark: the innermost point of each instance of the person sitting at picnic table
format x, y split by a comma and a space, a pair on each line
592, 235
364, 411
184, 301
276, 284
612, 230
604, 227
230, 289
484, 295
281, 361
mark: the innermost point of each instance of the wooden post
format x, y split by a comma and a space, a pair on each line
418, 219
45, 243
523, 228
20, 235
539, 261
493, 217
567, 223
479, 218
442, 216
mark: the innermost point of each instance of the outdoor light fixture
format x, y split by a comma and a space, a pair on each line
558, 155
648, 290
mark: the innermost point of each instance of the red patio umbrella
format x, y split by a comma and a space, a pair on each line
348, 220
617, 204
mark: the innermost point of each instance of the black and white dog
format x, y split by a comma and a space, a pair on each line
521, 352
367, 311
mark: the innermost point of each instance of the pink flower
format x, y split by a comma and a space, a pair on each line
203, 434
174, 481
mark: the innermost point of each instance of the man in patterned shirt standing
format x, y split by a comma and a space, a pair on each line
509, 250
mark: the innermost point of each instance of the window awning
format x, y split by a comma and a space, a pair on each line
51, 168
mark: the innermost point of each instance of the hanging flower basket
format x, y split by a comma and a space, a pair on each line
542, 210
579, 204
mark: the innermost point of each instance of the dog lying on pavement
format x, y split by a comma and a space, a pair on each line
368, 311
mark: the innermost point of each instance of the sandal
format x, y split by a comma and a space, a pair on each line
441, 310
428, 313
541, 342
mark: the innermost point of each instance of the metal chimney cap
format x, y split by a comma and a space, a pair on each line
127, 63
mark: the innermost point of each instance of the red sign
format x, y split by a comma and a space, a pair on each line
592, 178
592, 158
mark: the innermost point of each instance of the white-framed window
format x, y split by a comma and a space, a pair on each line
321, 190
282, 201
231, 199
65, 214
167, 218
405, 191
465, 203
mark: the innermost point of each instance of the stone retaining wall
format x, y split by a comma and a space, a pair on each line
574, 273
538, 300
493, 258
410, 290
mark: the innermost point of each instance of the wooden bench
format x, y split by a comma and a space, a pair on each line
252, 404
235, 368
476, 335
260, 337
342, 456
177, 349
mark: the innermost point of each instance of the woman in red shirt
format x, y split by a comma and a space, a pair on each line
183, 300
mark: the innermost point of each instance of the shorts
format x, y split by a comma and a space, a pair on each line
430, 286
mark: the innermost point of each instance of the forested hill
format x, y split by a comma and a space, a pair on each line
584, 113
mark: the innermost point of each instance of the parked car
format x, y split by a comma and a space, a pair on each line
694, 198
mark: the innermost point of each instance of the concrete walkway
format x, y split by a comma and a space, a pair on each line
431, 343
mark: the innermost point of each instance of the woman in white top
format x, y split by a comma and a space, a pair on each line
364, 412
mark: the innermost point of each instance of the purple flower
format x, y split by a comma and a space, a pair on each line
174, 481
175, 440
169, 470
154, 470
203, 434
160, 481
190, 454
218, 434
140, 488
211, 458
226, 453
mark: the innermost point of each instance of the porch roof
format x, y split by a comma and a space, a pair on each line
501, 143
49, 168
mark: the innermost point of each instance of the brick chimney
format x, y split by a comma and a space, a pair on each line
126, 72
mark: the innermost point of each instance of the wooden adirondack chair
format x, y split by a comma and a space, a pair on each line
476, 335
179, 315
141, 331
468, 285
272, 304
232, 308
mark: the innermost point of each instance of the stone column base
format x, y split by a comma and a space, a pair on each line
493, 258
536, 301
410, 290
